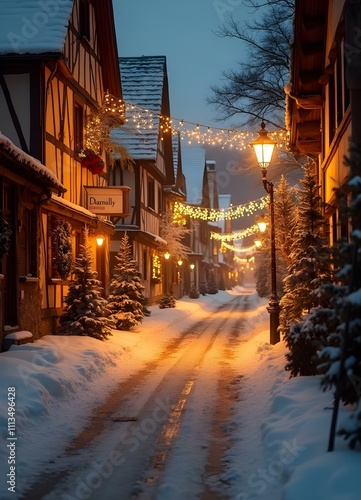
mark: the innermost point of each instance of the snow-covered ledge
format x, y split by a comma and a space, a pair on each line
17, 338
21, 335
29, 279
55, 281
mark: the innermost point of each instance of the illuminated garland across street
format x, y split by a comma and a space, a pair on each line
233, 248
243, 261
235, 236
239, 260
144, 119
213, 214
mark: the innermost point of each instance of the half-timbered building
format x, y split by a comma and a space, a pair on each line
226, 255
57, 61
145, 86
320, 113
176, 193
202, 192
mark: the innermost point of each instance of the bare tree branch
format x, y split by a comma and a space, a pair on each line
255, 90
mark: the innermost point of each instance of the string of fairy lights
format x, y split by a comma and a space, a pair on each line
236, 249
238, 235
140, 118
214, 215
243, 262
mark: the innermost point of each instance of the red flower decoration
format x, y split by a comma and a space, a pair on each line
93, 162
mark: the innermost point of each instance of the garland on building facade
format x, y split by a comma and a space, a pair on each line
64, 250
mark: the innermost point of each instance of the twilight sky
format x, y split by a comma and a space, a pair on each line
183, 31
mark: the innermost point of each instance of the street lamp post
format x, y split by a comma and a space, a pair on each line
192, 266
168, 288
263, 147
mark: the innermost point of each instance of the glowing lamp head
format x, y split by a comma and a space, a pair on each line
100, 240
192, 266
262, 223
167, 255
180, 262
263, 146
258, 243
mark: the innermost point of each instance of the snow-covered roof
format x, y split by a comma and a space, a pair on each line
74, 207
193, 164
103, 224
131, 228
142, 81
33, 27
27, 166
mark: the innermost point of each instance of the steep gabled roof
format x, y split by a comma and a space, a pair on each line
193, 165
33, 27
27, 166
143, 81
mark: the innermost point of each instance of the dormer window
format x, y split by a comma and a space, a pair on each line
84, 19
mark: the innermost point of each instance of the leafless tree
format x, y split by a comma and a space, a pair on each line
255, 90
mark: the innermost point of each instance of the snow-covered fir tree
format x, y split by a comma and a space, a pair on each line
126, 293
284, 211
86, 311
203, 288
309, 268
194, 293
341, 358
212, 285
167, 301
284, 214
262, 271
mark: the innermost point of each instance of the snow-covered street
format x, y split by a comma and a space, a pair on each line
192, 403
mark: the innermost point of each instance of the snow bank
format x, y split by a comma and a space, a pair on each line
278, 431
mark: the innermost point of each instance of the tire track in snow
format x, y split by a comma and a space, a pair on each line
227, 392
148, 488
103, 420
